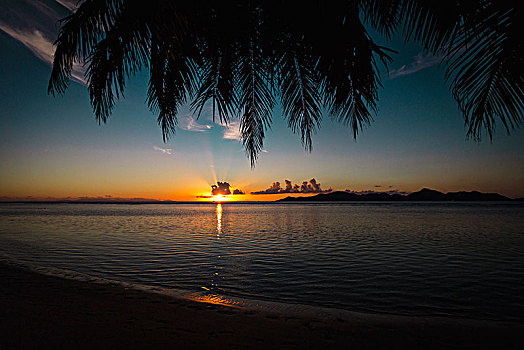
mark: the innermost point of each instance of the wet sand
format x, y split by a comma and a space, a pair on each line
38, 311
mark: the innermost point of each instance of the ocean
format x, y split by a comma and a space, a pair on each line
463, 260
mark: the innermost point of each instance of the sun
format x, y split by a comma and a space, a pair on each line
220, 198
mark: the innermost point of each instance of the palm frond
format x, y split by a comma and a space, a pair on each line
79, 34
256, 100
349, 73
172, 74
383, 15
301, 102
216, 76
243, 55
122, 52
485, 69
432, 23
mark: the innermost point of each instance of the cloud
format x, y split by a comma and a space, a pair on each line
40, 46
33, 24
421, 61
232, 131
189, 123
163, 150
71, 5
305, 187
274, 188
224, 189
220, 188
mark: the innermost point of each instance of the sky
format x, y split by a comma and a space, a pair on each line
52, 147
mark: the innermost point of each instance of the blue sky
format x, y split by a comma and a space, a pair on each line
53, 147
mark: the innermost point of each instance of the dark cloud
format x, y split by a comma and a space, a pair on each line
274, 188
222, 188
311, 187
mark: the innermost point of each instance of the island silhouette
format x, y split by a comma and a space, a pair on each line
424, 194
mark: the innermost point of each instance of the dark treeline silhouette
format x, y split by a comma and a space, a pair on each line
246, 56
423, 195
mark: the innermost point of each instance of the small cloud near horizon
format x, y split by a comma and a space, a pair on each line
224, 189
305, 187
163, 150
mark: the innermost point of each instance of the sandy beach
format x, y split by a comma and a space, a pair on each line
46, 311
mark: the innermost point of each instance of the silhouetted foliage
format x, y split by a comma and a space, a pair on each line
245, 56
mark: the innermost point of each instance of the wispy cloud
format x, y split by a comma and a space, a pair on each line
163, 150
421, 61
35, 41
189, 123
71, 5
232, 131
33, 24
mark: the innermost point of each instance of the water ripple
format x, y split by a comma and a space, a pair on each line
462, 259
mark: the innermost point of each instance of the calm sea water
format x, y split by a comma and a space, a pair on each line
452, 259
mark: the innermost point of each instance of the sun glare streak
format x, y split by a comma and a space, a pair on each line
219, 220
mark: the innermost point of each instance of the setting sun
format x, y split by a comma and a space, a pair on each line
220, 198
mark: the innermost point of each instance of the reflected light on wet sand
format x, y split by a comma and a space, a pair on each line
215, 299
219, 220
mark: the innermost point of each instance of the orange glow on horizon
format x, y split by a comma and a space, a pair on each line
220, 198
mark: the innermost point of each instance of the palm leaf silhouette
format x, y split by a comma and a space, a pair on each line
311, 56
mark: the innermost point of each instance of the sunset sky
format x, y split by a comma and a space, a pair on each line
53, 147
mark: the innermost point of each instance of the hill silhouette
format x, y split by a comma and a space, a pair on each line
424, 194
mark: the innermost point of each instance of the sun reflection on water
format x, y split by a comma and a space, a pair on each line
219, 220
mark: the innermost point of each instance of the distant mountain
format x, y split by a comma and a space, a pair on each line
475, 196
424, 194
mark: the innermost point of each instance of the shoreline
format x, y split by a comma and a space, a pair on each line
44, 310
323, 313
